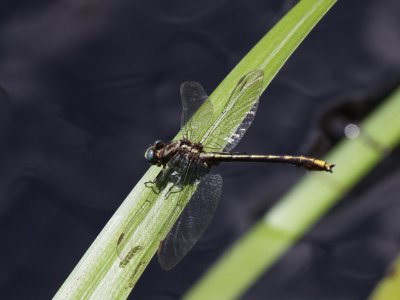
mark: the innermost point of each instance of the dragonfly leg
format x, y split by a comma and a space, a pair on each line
176, 188
153, 185
150, 183
159, 183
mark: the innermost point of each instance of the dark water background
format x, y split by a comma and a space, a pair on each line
86, 86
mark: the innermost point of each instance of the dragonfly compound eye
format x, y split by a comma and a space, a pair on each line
158, 145
150, 156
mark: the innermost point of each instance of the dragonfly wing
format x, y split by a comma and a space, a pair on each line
192, 222
242, 102
193, 96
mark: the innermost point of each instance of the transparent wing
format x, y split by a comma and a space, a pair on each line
193, 96
192, 222
230, 126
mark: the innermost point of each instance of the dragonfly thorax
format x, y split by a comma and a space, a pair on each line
160, 153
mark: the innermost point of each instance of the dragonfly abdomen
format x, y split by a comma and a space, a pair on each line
309, 163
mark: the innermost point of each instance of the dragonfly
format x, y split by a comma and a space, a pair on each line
187, 161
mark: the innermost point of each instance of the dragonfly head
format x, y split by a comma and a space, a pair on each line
152, 154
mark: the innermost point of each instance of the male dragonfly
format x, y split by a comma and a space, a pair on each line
187, 161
